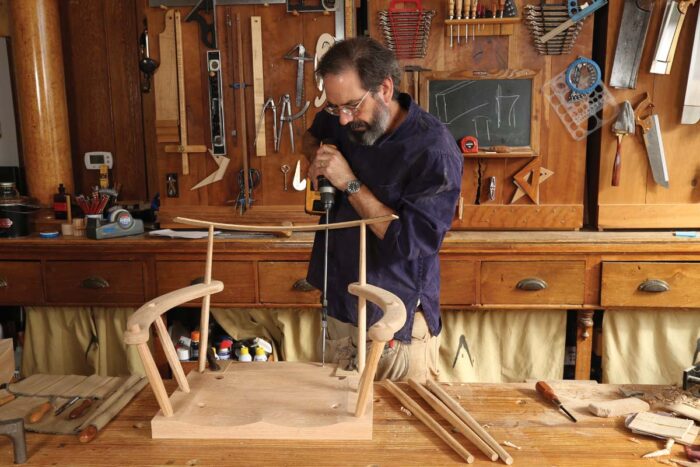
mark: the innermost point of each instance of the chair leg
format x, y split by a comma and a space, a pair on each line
367, 379
171, 355
154, 379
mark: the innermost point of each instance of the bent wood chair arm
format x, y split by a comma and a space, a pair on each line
380, 332
137, 334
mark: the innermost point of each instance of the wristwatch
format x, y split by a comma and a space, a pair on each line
353, 187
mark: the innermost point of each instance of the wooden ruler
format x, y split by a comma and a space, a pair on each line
165, 81
241, 107
258, 82
183, 148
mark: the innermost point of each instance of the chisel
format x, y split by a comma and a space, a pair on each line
548, 393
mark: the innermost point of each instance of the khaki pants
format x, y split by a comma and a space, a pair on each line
417, 360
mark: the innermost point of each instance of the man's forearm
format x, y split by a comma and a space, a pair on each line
367, 205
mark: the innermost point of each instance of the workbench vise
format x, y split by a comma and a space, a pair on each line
691, 379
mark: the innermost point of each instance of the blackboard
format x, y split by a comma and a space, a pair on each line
498, 112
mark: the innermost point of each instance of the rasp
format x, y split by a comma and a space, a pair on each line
630, 43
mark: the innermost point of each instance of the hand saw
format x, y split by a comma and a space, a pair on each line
671, 25
651, 131
691, 105
630, 43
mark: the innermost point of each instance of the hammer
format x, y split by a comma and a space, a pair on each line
416, 69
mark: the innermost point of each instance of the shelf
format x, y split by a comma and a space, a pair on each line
490, 26
498, 155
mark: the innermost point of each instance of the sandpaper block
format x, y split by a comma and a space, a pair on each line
618, 407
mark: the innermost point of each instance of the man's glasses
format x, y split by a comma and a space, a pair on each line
347, 110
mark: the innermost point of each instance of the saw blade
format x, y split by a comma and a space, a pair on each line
691, 105
630, 43
655, 152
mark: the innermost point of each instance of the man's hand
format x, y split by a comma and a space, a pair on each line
330, 163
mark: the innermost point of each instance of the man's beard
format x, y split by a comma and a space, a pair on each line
365, 133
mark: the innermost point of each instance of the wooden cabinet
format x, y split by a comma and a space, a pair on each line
532, 282
21, 283
238, 278
457, 282
283, 282
95, 282
651, 284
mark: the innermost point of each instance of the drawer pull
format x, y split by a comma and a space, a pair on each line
531, 283
197, 280
94, 283
302, 285
654, 286
3, 282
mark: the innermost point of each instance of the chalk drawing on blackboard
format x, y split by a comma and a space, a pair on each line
498, 111
511, 111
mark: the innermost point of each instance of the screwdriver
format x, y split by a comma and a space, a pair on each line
548, 393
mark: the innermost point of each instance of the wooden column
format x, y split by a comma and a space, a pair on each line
41, 96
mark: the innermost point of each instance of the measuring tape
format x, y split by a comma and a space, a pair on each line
469, 145
573, 77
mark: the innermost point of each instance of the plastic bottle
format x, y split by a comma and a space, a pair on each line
225, 349
60, 206
245, 355
194, 346
260, 355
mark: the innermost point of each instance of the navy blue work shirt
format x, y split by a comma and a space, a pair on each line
417, 171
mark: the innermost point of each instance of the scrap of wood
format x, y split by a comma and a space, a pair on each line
258, 82
659, 425
544, 175
222, 163
618, 407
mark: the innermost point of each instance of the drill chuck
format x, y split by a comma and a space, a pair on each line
327, 191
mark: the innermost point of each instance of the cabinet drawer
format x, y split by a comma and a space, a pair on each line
665, 285
277, 280
457, 283
20, 283
532, 282
238, 278
95, 282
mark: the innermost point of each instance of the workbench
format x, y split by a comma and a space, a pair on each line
512, 412
584, 271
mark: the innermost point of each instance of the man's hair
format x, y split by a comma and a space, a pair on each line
371, 60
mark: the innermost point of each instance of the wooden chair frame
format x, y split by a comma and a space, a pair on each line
151, 312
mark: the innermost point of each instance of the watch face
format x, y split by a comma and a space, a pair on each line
353, 186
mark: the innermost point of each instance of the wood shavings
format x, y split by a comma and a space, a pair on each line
684, 463
511, 445
485, 427
659, 453
634, 440
665, 461
671, 395
192, 462
406, 411
139, 425
521, 402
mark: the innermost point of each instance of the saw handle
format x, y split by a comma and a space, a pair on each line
617, 165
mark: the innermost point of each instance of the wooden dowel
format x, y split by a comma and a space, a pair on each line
154, 379
367, 380
362, 302
204, 318
171, 354
423, 416
469, 420
454, 420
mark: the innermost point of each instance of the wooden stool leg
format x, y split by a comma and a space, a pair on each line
367, 380
154, 379
171, 355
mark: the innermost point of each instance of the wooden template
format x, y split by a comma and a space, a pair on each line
276, 401
528, 180
544, 175
165, 83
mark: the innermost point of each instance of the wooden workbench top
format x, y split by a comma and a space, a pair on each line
512, 412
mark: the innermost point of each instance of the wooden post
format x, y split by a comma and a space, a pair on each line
154, 379
41, 96
171, 354
204, 320
362, 303
367, 379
